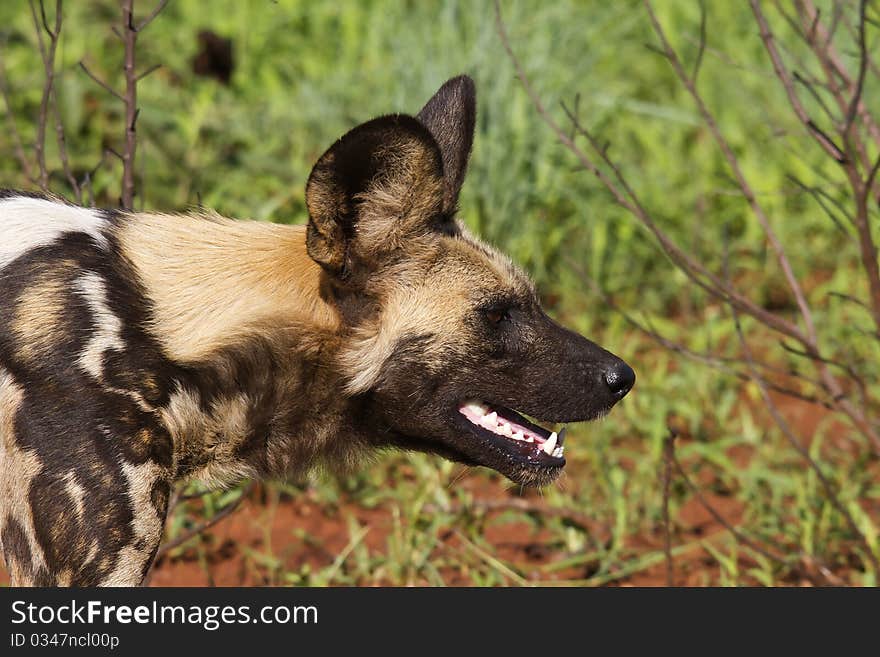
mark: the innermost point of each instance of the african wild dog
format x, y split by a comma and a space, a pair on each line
140, 349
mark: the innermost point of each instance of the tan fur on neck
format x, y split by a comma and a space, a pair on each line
211, 278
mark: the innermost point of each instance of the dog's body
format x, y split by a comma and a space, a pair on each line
137, 350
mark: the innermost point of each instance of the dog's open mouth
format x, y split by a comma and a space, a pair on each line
515, 434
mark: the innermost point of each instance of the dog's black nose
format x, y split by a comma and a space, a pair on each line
620, 379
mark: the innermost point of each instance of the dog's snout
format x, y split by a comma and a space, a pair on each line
620, 379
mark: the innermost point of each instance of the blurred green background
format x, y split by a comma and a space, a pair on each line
305, 72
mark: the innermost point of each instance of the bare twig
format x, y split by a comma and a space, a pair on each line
861, 191
17, 143
872, 174
780, 421
626, 197
130, 99
129, 34
733, 163
86, 183
724, 364
203, 526
863, 69
49, 102
100, 82
701, 48
595, 528
62, 151
48, 56
825, 200
847, 369
821, 137
810, 84
832, 63
154, 67
149, 19
668, 453
773, 555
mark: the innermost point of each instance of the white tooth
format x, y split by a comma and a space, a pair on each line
505, 430
557, 452
530, 439
475, 408
518, 436
492, 417
550, 445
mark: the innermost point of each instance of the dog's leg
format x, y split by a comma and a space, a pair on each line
83, 490
65, 536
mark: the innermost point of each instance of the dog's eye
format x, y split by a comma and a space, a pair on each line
497, 315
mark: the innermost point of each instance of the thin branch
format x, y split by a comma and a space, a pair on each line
733, 163
49, 103
48, 56
62, 150
54, 34
130, 100
225, 512
826, 142
774, 555
114, 152
839, 84
867, 247
147, 72
103, 84
809, 83
832, 63
702, 43
863, 69
525, 506
851, 299
851, 374
812, 31
872, 65
626, 197
872, 174
868, 254
668, 454
17, 143
823, 198
149, 19
836, 15
780, 421
722, 363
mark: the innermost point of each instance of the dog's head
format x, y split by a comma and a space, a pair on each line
447, 347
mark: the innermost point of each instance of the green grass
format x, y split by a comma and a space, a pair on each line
308, 71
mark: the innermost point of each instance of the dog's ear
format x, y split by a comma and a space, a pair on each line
451, 115
379, 185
